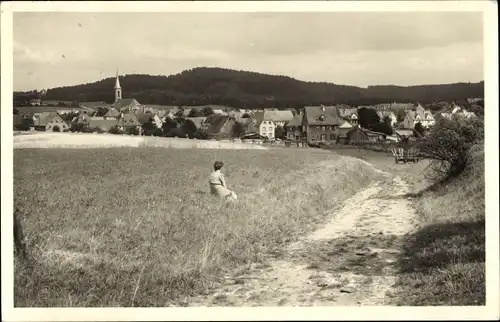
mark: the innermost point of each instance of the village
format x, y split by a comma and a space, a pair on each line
309, 126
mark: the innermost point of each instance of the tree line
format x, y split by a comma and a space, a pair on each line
243, 89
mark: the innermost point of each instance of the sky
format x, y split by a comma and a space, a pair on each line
54, 49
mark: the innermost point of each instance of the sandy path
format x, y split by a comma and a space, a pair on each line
349, 261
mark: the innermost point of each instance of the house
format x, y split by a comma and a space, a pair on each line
421, 115
102, 123
218, 124
198, 121
279, 118
113, 113
127, 105
129, 121
392, 117
266, 127
48, 121
294, 130
321, 123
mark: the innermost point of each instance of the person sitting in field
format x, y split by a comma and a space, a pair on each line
218, 183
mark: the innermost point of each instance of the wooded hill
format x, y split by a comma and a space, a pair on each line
243, 89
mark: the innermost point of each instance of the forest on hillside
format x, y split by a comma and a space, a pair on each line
243, 89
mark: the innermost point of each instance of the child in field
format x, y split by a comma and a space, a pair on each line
218, 183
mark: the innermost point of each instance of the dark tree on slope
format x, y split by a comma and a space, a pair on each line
237, 130
419, 129
195, 113
189, 128
368, 117
382, 127
279, 132
148, 128
168, 125
243, 89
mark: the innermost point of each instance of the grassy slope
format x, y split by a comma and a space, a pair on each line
123, 227
444, 261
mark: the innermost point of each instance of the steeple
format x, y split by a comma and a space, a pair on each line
118, 89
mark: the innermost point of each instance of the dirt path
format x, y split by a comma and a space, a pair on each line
349, 261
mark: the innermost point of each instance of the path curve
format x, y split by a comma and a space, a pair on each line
349, 261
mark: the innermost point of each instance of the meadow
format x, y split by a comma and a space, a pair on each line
137, 227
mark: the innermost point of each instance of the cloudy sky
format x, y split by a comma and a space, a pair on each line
352, 48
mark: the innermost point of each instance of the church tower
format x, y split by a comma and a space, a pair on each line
118, 89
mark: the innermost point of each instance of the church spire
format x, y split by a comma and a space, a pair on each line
117, 84
118, 89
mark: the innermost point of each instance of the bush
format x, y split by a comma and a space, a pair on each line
202, 135
157, 132
114, 130
56, 128
449, 144
132, 130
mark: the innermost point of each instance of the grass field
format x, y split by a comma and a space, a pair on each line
136, 226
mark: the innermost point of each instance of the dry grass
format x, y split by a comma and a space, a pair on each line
444, 260
136, 227
105, 140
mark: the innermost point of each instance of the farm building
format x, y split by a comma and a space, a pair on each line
321, 123
358, 135
48, 121
218, 124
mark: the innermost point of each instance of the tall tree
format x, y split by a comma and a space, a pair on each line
368, 117
238, 129
189, 128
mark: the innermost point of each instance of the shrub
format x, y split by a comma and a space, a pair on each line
56, 128
202, 135
114, 130
449, 143
132, 130
157, 132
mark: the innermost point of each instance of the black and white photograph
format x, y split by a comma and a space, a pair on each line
293, 155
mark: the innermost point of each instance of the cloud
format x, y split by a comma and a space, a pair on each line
356, 48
